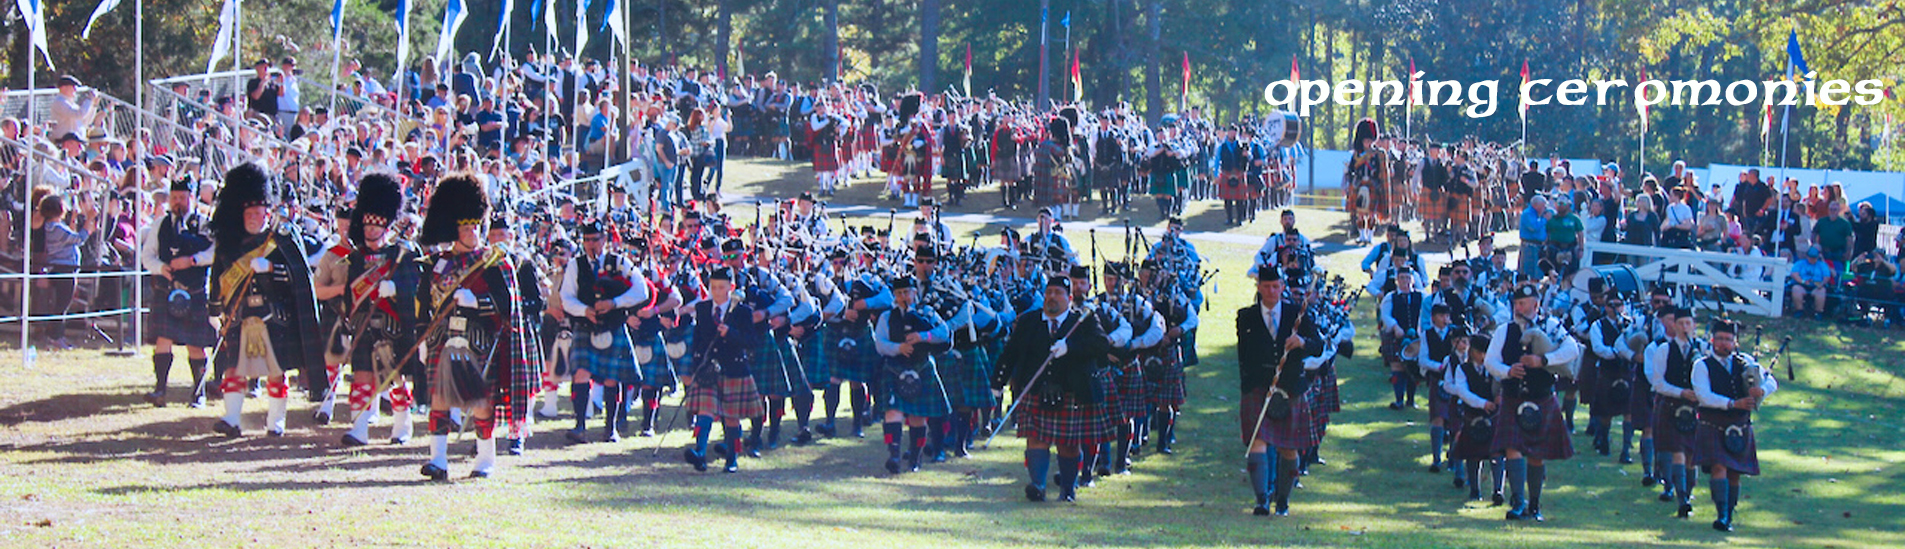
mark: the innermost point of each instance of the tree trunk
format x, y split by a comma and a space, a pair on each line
661, 28
830, 43
1154, 88
724, 33
929, 45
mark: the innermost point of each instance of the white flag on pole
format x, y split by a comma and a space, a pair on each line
453, 16
581, 26
617, 14
222, 45
403, 35
30, 11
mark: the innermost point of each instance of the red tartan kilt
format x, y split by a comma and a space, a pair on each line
1233, 186
1132, 398
890, 159
922, 167
1464, 444
826, 158
1379, 198
1294, 432
1461, 209
1640, 405
1068, 424
1434, 206
1329, 399
869, 139
736, 398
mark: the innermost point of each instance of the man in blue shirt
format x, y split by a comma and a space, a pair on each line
1534, 234
1809, 278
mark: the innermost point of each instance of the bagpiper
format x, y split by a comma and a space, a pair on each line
908, 336
719, 384
1523, 355
1730, 386
1275, 340
598, 291
381, 281
1669, 366
262, 291
178, 249
473, 348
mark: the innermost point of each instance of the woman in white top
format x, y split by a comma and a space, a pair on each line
719, 125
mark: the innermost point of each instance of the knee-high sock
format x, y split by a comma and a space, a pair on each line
1088, 458
1517, 481
1676, 476
917, 436
550, 397
1649, 461
1436, 434
892, 431
831, 399
485, 454
860, 401
1498, 470
276, 395
614, 406
401, 401
733, 435
1140, 428
1718, 489
1474, 467
1038, 465
1687, 482
234, 406
161, 370
199, 383
1627, 439
1537, 475
957, 429
1409, 388
803, 407
1398, 384
360, 402
1258, 463
1285, 479
440, 451
1125, 433
935, 433
1567, 408
703, 424
1068, 472
579, 403
1732, 495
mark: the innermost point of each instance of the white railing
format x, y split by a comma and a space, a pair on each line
632, 175
312, 93
244, 134
1758, 282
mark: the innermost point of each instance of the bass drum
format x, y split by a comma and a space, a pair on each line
1284, 126
1616, 278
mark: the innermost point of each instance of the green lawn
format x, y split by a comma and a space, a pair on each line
84, 463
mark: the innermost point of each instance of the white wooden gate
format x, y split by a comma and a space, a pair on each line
1759, 281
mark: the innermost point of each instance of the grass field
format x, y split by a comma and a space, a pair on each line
84, 463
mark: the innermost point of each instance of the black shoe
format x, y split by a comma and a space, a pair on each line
1103, 471
1067, 494
1497, 500
399, 441
272, 433
576, 436
1317, 459
912, 461
1395, 405
773, 439
1474, 495
433, 472
156, 399
1435, 468
322, 418
1034, 493
479, 474
859, 432
940, 456
751, 447
198, 401
1534, 513
824, 429
227, 429
612, 435
1666, 496
1686, 511
804, 437
1086, 479
1647, 482
1626, 459
1261, 510
1166, 449
1283, 509
1722, 525
545, 417
1517, 513
961, 452
1461, 482
516, 447
351, 442
733, 467
893, 466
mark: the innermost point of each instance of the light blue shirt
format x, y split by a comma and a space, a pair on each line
1533, 227
1811, 272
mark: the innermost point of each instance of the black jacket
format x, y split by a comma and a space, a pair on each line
1031, 343
731, 354
1260, 353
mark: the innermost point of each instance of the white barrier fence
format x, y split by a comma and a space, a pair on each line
1757, 282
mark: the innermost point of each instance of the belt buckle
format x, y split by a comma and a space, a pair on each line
458, 324
254, 300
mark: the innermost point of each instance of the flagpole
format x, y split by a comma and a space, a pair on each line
337, 54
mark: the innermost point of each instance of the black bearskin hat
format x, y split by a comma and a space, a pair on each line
246, 185
909, 107
1365, 129
1061, 130
1070, 114
460, 199
379, 195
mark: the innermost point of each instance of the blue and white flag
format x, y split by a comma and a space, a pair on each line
35, 17
104, 6
403, 34
453, 16
502, 25
337, 20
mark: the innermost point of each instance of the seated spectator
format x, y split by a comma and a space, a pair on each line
1810, 278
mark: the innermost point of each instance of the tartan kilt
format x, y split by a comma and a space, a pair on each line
1441, 405
932, 399
1667, 439
1294, 432
960, 164
735, 398
1164, 385
1232, 186
1007, 168
1434, 205
1461, 208
1133, 398
1067, 423
1329, 398
1606, 375
967, 378
1709, 444
856, 363
1465, 445
616, 363
772, 377
826, 158
868, 139
195, 330
890, 159
1550, 441
1640, 405
656, 372
1319, 420
812, 361
1584, 381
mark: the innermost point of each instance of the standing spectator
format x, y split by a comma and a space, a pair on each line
1533, 182
1642, 227
667, 168
1711, 228
1865, 229
701, 157
289, 76
1534, 233
70, 112
1678, 230
1600, 226
718, 127
261, 92
489, 126
1833, 236
56, 247
1564, 237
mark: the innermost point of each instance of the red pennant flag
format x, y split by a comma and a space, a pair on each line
1186, 89
1410, 100
1078, 84
1524, 84
968, 58
1295, 76
1637, 103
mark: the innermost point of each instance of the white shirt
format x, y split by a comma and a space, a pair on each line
1703, 386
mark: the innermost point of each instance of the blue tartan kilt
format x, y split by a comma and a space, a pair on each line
771, 375
931, 401
1441, 403
1133, 399
968, 378
192, 330
1067, 422
1668, 439
811, 351
1709, 444
656, 372
1165, 384
1465, 443
1549, 441
1587, 380
1640, 405
1294, 432
1604, 388
616, 363
857, 361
